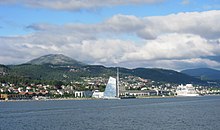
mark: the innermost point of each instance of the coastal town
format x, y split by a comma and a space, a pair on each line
109, 65
92, 88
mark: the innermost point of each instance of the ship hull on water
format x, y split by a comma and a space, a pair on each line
186, 91
188, 95
111, 98
127, 97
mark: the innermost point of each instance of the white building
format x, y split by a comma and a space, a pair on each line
79, 94
98, 94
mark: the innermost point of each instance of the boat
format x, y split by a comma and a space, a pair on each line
128, 97
186, 90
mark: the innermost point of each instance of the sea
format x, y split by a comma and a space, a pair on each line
179, 113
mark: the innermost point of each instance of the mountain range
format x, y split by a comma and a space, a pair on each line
55, 59
60, 67
203, 73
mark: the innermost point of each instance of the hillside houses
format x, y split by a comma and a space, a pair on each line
92, 87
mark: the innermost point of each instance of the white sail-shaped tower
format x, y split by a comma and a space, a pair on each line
110, 90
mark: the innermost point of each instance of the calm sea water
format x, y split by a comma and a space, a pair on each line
194, 113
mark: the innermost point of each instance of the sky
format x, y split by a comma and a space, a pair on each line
169, 34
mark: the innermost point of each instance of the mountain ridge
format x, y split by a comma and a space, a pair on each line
49, 72
203, 73
55, 66
55, 59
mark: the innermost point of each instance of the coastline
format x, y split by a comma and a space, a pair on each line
64, 99
53, 99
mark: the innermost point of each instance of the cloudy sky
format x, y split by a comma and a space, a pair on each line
171, 34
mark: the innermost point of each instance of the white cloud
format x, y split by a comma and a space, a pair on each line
107, 51
185, 2
172, 41
176, 64
174, 46
124, 23
167, 51
77, 4
199, 23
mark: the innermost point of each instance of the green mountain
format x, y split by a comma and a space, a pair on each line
49, 72
62, 68
55, 59
203, 73
163, 75
3, 69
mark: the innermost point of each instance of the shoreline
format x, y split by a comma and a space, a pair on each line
78, 99
53, 99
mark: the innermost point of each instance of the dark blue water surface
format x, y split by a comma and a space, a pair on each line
191, 113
